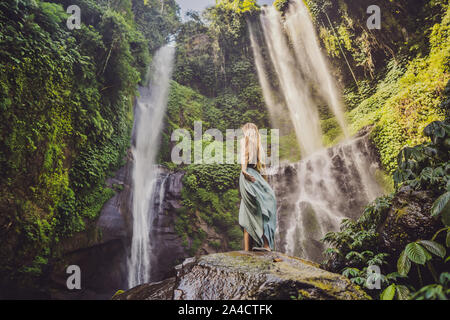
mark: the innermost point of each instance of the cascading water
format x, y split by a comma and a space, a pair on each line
293, 86
150, 110
303, 37
327, 184
316, 193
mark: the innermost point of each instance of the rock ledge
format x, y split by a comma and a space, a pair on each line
247, 276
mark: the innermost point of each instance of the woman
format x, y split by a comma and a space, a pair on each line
257, 213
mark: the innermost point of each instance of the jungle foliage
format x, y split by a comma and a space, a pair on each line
395, 78
357, 245
215, 82
66, 115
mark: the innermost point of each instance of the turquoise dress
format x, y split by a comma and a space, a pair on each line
258, 210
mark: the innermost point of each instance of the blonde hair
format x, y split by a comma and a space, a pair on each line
254, 152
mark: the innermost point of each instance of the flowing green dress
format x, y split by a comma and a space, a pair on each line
258, 210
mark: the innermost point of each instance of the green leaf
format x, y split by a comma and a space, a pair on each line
402, 292
416, 253
434, 247
358, 280
442, 206
388, 293
391, 277
403, 264
436, 129
428, 254
447, 240
444, 278
351, 272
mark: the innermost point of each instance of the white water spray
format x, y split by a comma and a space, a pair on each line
303, 36
305, 117
150, 110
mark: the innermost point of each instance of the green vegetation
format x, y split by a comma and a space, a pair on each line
358, 53
357, 245
281, 5
398, 93
66, 115
66, 101
215, 82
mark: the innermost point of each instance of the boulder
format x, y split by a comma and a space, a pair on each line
409, 219
248, 276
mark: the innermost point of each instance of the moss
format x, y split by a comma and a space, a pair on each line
385, 181
119, 292
399, 213
407, 101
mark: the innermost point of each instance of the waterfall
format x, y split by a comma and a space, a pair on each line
262, 74
295, 90
327, 185
319, 191
303, 36
149, 113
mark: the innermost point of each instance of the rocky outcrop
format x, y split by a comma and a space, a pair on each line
315, 194
169, 250
101, 250
247, 276
408, 220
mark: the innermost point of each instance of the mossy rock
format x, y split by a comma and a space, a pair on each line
251, 276
409, 219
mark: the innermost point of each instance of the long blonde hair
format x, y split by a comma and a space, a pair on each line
254, 151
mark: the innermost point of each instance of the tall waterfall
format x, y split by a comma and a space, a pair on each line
306, 46
327, 185
292, 83
150, 110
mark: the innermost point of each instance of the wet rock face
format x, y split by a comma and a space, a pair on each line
168, 249
162, 290
248, 276
408, 220
315, 194
101, 250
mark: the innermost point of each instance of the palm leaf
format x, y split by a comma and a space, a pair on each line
416, 253
403, 264
434, 247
